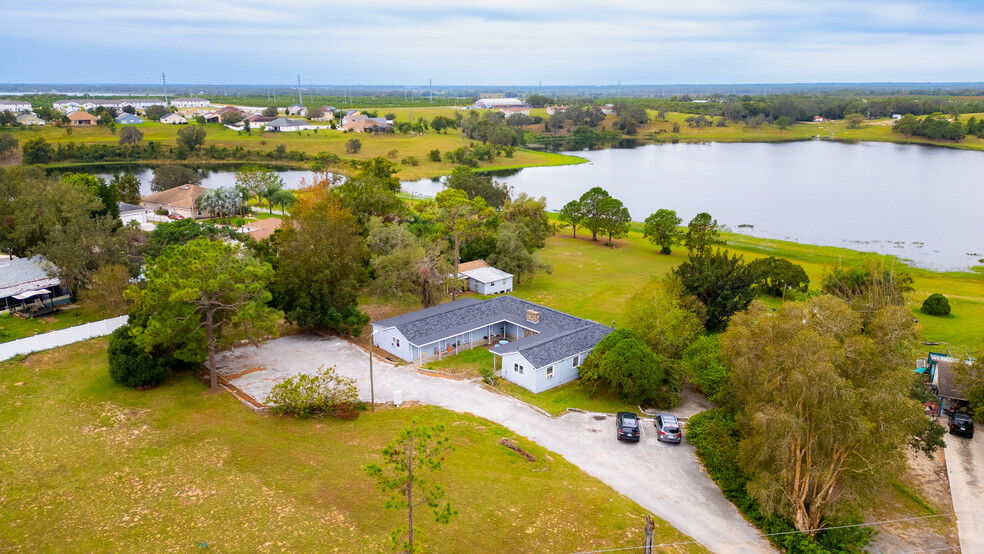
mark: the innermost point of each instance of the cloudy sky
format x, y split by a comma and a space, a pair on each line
505, 42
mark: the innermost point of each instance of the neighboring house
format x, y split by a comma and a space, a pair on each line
282, 125
131, 212
819, 119
140, 103
296, 109
128, 119
370, 124
485, 279
941, 369
544, 348
608, 109
81, 118
181, 200
212, 118
24, 280
66, 106
513, 111
15, 106
259, 120
190, 103
229, 109
496, 103
556, 109
324, 113
353, 115
896, 116
29, 118
262, 228
174, 119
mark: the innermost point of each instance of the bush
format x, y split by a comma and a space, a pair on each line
703, 366
410, 160
936, 304
434, 155
353, 145
324, 392
131, 365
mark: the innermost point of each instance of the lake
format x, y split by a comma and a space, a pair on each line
920, 203
213, 176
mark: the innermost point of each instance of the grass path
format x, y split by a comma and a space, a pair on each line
87, 465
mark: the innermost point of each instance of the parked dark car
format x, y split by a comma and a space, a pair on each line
627, 425
667, 428
961, 424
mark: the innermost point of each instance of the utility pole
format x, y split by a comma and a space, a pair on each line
299, 99
430, 86
164, 81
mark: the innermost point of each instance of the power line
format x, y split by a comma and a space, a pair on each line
783, 533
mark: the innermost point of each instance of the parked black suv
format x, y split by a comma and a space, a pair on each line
962, 424
627, 424
667, 428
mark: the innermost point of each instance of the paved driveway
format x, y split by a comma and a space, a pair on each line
665, 479
965, 466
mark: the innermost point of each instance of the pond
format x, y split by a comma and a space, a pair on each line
920, 203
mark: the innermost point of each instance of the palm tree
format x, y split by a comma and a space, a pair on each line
282, 198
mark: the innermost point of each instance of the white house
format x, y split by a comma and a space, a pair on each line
296, 109
15, 106
535, 347
131, 212
485, 279
174, 119
29, 118
282, 125
140, 103
190, 103
495, 103
67, 106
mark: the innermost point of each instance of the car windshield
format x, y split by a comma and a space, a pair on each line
629, 423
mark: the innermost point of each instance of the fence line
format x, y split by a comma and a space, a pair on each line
61, 337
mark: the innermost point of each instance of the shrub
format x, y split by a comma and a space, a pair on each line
703, 366
353, 145
936, 304
324, 392
131, 365
410, 160
392, 154
434, 155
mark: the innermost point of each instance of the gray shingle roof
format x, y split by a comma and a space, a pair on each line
124, 207
558, 335
24, 274
946, 385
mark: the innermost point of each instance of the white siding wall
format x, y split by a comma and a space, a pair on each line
385, 340
563, 372
495, 287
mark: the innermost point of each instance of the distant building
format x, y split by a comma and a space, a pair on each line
608, 109
262, 228
82, 119
174, 119
352, 115
556, 109
128, 119
495, 103
282, 124
896, 116
211, 117
513, 111
324, 113
131, 212
66, 106
181, 200
190, 103
25, 280
296, 109
368, 124
820, 119
259, 120
29, 118
15, 106
139, 103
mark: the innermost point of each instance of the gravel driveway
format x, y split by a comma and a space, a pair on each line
665, 479
965, 466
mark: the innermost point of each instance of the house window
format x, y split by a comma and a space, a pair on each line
550, 372
577, 360
518, 369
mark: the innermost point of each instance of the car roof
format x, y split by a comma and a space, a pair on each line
668, 418
627, 414
962, 416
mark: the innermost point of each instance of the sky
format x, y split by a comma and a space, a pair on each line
496, 42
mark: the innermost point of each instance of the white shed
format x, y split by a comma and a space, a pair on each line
488, 280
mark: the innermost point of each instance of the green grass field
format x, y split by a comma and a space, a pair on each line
13, 327
87, 465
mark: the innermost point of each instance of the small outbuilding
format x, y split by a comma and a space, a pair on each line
485, 279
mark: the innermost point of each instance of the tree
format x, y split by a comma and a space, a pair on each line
7, 144
868, 288
478, 185
854, 120
702, 231
270, 111
615, 218
434, 155
458, 218
37, 151
106, 292
127, 188
935, 304
971, 379
191, 138
662, 319
258, 181
320, 273
777, 276
130, 137
573, 214
530, 214
783, 122
353, 145
823, 403
512, 256
628, 366
196, 290
170, 176
416, 451
593, 209
132, 366
231, 118
282, 198
97, 187
155, 112
723, 284
368, 195
662, 229
704, 368
182, 231
404, 265
443, 123
223, 201
539, 100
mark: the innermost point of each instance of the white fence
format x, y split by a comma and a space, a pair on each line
54, 339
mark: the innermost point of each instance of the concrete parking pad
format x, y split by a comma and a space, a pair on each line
965, 467
666, 479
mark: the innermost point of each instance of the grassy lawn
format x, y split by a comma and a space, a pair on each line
466, 363
555, 401
87, 465
13, 327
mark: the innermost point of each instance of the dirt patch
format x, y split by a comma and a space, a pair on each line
116, 423
231, 376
